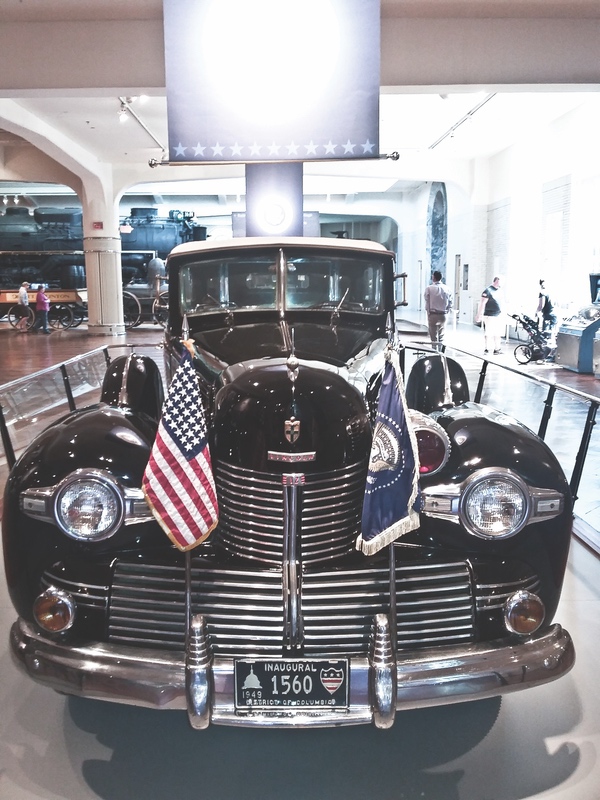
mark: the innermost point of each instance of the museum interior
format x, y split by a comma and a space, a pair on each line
459, 135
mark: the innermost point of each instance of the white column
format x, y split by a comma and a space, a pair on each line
105, 285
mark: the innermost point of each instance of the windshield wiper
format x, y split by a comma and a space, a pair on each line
336, 311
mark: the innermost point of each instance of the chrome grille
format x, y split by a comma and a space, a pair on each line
494, 595
251, 513
433, 602
243, 607
86, 595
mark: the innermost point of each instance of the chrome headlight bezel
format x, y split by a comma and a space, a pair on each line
104, 482
43, 503
447, 501
488, 476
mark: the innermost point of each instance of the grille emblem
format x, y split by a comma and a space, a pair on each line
292, 430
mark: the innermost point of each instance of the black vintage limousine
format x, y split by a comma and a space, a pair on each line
278, 618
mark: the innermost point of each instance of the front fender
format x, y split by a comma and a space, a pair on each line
115, 440
436, 381
134, 382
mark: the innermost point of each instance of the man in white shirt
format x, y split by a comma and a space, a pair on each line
438, 304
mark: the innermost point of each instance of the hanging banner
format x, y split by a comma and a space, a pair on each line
272, 80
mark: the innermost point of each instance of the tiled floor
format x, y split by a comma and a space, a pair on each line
542, 743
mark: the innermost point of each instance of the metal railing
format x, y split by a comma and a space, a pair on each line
32, 402
553, 387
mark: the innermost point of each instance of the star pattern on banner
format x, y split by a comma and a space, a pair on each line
273, 150
188, 428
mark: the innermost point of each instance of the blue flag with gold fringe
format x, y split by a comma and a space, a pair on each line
392, 481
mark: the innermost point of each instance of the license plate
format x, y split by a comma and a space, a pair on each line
273, 684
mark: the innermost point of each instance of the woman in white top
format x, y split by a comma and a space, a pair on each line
23, 306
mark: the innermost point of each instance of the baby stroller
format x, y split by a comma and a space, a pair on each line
538, 348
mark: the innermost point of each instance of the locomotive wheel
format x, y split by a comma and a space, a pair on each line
523, 353
60, 316
15, 315
160, 309
79, 314
132, 310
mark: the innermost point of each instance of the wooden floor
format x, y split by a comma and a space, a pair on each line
23, 354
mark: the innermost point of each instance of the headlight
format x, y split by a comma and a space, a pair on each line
492, 503
89, 508
495, 504
88, 505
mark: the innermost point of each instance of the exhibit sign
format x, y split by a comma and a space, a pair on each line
272, 80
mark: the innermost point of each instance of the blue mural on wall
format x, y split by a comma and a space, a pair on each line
437, 228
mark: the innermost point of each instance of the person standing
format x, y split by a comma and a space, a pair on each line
23, 307
42, 306
546, 309
490, 312
438, 304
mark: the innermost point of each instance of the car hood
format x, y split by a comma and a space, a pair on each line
335, 344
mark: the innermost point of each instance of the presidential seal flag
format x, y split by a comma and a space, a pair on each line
392, 482
178, 482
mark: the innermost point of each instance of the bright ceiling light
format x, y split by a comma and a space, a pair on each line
273, 58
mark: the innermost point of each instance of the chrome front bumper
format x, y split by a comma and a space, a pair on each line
379, 685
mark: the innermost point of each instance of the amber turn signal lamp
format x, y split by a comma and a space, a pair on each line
54, 610
524, 612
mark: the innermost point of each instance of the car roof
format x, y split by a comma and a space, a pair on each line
242, 243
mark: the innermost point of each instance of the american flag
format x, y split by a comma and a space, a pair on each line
178, 481
392, 491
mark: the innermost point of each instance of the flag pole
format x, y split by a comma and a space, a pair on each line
393, 612
188, 597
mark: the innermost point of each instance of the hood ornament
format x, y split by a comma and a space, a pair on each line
291, 429
292, 362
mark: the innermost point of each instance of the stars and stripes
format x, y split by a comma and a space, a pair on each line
392, 486
178, 481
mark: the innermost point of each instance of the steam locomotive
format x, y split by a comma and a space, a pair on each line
46, 246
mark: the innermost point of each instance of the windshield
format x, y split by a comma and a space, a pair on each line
272, 279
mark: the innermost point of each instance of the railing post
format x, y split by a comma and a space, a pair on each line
6, 441
583, 448
547, 412
68, 390
479, 390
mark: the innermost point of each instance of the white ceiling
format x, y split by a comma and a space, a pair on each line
459, 125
